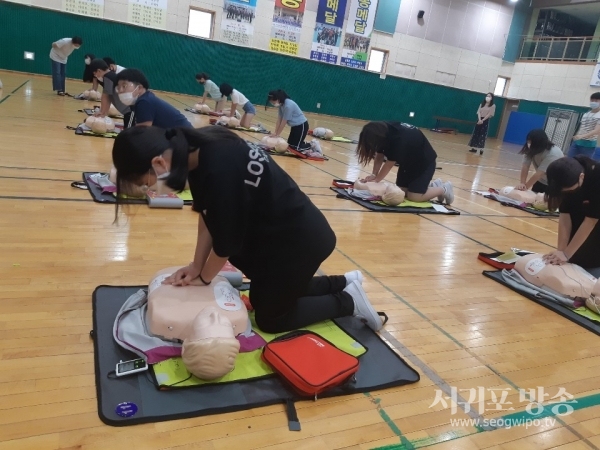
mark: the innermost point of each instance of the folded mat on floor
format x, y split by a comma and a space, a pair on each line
101, 196
210, 113
154, 405
90, 112
580, 315
515, 204
83, 130
406, 207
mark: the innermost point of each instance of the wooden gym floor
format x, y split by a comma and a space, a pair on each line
457, 328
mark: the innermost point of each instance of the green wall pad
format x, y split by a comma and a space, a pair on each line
171, 60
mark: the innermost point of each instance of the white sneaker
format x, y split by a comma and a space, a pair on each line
355, 275
438, 183
316, 146
448, 193
362, 307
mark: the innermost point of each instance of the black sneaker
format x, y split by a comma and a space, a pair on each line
473, 150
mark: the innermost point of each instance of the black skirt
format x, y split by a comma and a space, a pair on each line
479, 135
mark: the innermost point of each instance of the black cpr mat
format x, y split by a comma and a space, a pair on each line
341, 193
567, 313
380, 367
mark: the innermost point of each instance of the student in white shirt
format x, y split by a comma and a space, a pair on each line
59, 54
585, 140
210, 88
113, 65
237, 98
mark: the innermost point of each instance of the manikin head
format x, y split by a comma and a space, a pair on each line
211, 348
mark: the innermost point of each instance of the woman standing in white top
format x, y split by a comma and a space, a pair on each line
485, 112
237, 98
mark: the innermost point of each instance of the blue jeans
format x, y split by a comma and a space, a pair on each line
580, 150
58, 76
596, 155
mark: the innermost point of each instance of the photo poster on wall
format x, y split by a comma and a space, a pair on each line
90, 8
237, 24
148, 13
356, 43
327, 36
287, 26
595, 81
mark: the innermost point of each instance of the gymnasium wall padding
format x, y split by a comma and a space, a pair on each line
170, 61
528, 106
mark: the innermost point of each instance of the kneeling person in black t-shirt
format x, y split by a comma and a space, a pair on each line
407, 146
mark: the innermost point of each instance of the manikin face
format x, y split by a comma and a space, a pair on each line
209, 323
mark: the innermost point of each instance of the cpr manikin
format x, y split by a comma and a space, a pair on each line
569, 280
278, 144
206, 318
324, 133
390, 193
529, 197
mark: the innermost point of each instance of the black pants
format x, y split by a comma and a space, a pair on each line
297, 135
539, 187
588, 255
284, 292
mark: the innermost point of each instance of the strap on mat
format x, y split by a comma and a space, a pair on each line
293, 422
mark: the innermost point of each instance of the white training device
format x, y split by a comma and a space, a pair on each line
130, 367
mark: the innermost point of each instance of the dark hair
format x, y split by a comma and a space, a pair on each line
135, 147
491, 101
595, 96
279, 94
88, 75
77, 40
134, 76
202, 75
539, 143
564, 173
98, 64
108, 60
226, 89
372, 140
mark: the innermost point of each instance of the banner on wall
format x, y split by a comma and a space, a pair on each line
148, 13
327, 36
355, 49
287, 26
90, 8
595, 81
236, 26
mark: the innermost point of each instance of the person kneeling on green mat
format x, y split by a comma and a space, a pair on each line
251, 213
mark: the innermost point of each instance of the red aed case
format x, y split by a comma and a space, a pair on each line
308, 362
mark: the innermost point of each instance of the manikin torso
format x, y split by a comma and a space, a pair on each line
568, 279
389, 193
529, 197
173, 309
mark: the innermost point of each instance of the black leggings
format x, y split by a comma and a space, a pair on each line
539, 187
297, 135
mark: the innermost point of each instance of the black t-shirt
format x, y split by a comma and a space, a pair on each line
586, 201
409, 147
251, 207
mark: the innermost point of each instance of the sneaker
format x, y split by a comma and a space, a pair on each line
473, 150
355, 275
316, 147
362, 307
438, 183
448, 193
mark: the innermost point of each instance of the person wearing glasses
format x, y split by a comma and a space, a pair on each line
147, 109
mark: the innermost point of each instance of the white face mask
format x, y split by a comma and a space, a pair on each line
87, 61
488, 99
594, 105
127, 98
